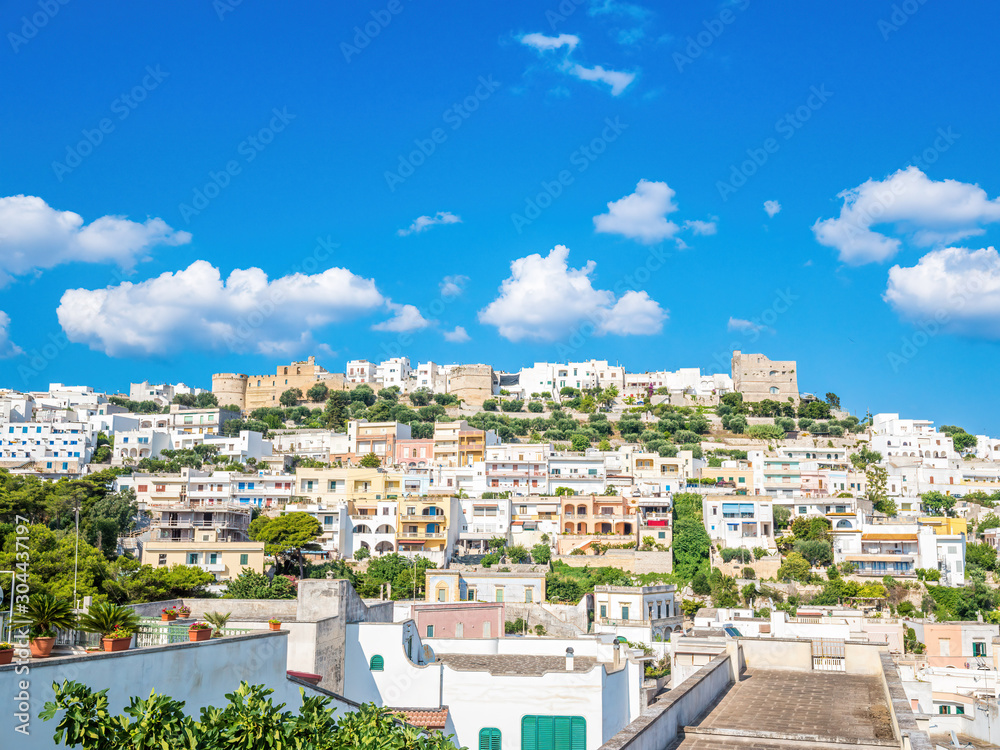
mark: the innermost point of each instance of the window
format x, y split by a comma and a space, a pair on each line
944, 709
430, 631
528, 598
489, 739
552, 732
377, 664
499, 595
192, 558
163, 558
624, 612
979, 648
244, 559
604, 610
661, 534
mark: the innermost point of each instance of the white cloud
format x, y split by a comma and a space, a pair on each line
921, 211
544, 43
195, 308
452, 286
739, 325
458, 336
405, 318
701, 227
8, 348
618, 80
35, 236
641, 215
954, 289
422, 223
772, 208
546, 300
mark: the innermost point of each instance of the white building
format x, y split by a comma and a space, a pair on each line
499, 692
317, 444
899, 549
161, 393
739, 521
642, 614
519, 468
360, 371
394, 372
584, 474
49, 447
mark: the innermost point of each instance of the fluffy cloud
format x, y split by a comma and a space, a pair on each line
618, 80
35, 236
422, 223
546, 300
739, 325
701, 227
772, 208
405, 318
955, 289
458, 336
921, 211
452, 286
543, 43
7, 347
642, 215
196, 308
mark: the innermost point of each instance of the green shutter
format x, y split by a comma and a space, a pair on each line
546, 733
578, 733
561, 733
377, 664
489, 738
528, 733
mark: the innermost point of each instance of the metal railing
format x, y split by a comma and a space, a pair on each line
159, 633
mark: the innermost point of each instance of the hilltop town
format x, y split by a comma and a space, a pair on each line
602, 558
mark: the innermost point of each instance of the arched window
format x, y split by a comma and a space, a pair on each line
377, 664
489, 739
774, 389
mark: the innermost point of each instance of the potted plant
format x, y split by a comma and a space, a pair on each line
115, 623
183, 611
46, 614
274, 624
199, 631
6, 652
169, 614
218, 621
119, 639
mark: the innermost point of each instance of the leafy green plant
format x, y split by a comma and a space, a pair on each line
217, 620
105, 617
46, 614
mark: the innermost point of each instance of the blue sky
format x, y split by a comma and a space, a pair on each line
685, 119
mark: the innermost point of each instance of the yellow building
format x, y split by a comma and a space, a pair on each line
225, 560
945, 526
358, 485
423, 523
738, 478
458, 444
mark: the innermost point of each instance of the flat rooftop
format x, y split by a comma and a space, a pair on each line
771, 709
516, 663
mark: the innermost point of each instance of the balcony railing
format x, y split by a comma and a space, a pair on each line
421, 535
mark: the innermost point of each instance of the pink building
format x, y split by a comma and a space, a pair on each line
459, 620
415, 453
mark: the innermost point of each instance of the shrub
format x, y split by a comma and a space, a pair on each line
489, 405
736, 553
535, 407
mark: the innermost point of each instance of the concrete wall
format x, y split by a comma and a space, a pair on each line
657, 726
536, 614
253, 610
198, 673
774, 653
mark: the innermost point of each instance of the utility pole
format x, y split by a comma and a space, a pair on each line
76, 557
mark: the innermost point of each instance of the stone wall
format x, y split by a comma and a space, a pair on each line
631, 561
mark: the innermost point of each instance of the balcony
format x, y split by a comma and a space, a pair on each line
213, 567
421, 535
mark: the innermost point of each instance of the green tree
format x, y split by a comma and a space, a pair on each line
517, 554
541, 554
817, 551
691, 546
362, 553
289, 532
833, 400
290, 397
370, 461
52, 555
250, 584
981, 554
937, 503
580, 442
795, 567
962, 440
782, 516
876, 478
318, 392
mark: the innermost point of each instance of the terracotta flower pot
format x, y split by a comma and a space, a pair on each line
168, 618
200, 635
6, 656
116, 644
42, 647
274, 625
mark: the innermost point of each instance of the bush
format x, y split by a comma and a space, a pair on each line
515, 626
736, 553
489, 405
535, 407
511, 406
749, 574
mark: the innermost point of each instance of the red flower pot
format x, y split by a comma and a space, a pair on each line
6, 656
116, 644
199, 635
42, 647
168, 618
274, 625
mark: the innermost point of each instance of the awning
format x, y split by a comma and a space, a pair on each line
656, 522
888, 537
879, 558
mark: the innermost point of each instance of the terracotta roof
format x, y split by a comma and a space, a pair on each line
426, 718
888, 537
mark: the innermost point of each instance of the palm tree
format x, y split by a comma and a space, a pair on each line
217, 620
103, 617
46, 614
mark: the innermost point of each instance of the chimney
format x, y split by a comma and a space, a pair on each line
569, 659
618, 653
